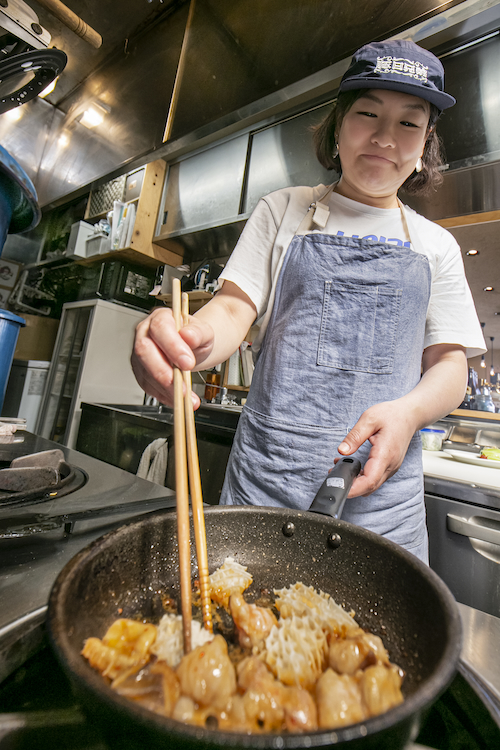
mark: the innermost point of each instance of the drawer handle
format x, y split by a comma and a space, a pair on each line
464, 527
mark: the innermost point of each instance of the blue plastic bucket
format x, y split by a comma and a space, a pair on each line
9, 331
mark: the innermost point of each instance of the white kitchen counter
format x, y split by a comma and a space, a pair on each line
439, 464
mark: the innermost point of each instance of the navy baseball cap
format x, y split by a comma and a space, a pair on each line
398, 65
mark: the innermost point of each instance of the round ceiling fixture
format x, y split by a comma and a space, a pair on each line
24, 76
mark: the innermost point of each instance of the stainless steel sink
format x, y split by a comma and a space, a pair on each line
223, 407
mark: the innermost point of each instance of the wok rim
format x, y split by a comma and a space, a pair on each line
424, 696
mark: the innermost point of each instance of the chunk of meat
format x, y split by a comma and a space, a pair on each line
207, 675
125, 648
381, 688
339, 700
170, 685
270, 706
155, 687
253, 623
263, 696
301, 714
358, 651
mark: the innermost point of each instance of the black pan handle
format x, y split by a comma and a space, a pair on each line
333, 492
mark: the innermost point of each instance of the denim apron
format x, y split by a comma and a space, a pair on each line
346, 332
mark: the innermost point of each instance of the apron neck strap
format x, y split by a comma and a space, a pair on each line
318, 213
404, 220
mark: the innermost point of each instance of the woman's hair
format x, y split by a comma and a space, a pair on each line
424, 182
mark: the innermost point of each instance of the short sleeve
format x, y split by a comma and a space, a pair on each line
250, 264
451, 314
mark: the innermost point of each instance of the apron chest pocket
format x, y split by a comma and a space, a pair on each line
358, 327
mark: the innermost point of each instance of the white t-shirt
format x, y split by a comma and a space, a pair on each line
256, 261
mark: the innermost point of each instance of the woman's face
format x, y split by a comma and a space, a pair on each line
380, 140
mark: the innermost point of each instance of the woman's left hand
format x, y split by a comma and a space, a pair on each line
389, 431
390, 426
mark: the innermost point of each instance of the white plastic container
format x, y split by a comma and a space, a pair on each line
98, 244
80, 232
432, 438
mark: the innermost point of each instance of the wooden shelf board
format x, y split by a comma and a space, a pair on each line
126, 253
474, 414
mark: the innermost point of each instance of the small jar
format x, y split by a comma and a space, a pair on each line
432, 438
212, 380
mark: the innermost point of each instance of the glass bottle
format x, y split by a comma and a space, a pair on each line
212, 380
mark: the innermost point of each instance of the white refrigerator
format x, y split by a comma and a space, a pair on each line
91, 363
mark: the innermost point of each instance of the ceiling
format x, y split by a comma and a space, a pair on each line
238, 52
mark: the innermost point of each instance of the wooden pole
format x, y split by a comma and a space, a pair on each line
72, 21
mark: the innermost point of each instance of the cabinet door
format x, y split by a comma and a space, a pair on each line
64, 373
460, 552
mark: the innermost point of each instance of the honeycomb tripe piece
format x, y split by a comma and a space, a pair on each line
299, 600
169, 644
296, 650
230, 578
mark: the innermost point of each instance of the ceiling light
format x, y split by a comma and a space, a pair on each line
488, 289
483, 363
50, 88
94, 115
91, 118
14, 114
63, 140
472, 252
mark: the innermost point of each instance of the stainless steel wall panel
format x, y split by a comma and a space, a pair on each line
205, 188
464, 191
283, 155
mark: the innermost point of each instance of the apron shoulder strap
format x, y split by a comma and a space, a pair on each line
317, 214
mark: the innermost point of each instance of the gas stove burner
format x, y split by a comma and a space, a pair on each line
37, 478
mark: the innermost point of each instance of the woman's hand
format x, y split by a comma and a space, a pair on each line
158, 348
389, 426
389, 430
210, 337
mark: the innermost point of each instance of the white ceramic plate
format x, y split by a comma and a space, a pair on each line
472, 458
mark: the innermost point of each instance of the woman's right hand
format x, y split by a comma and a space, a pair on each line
159, 347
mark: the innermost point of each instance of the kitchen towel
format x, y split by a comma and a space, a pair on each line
153, 463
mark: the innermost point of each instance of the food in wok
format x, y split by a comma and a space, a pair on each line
293, 663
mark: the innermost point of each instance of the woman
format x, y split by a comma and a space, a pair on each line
355, 295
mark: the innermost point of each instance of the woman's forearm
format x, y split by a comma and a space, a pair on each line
230, 315
442, 386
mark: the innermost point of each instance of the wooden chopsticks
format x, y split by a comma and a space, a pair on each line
184, 429
196, 494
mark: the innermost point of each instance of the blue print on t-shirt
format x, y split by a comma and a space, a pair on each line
374, 238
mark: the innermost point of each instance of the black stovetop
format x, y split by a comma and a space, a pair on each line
37, 540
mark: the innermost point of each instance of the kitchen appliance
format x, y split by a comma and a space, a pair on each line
390, 591
41, 531
37, 707
23, 396
91, 362
119, 281
27, 67
462, 498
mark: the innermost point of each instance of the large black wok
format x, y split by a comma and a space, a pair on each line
129, 571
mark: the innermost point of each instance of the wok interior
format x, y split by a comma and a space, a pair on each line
130, 571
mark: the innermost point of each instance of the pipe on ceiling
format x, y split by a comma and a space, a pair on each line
72, 21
